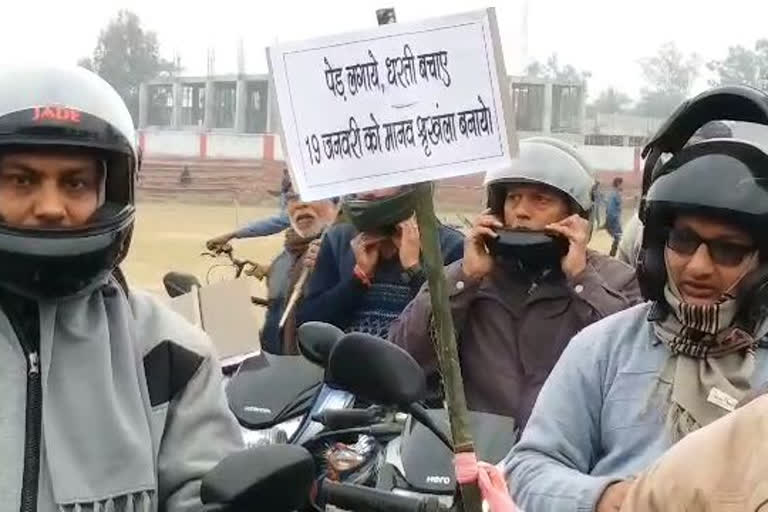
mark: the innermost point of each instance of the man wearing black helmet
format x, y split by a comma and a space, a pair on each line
110, 401
629, 246
630, 386
369, 269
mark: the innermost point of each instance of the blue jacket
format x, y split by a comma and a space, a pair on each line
267, 226
336, 296
613, 212
596, 420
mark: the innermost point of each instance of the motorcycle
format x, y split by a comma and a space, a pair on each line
285, 477
419, 462
273, 396
277, 398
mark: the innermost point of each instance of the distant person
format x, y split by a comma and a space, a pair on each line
185, 178
613, 214
262, 227
302, 241
368, 270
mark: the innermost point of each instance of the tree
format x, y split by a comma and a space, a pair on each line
742, 66
610, 101
669, 76
86, 63
127, 55
551, 70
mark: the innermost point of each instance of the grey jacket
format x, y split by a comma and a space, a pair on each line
511, 332
190, 423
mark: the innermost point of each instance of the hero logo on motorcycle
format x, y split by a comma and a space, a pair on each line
439, 479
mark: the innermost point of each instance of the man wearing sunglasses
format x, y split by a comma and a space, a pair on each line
630, 386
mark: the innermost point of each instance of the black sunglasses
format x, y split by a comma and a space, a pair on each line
728, 254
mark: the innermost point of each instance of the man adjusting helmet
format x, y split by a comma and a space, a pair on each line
527, 282
109, 399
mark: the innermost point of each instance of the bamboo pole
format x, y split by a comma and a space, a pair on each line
447, 351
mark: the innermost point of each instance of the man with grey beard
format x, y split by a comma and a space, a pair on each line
302, 240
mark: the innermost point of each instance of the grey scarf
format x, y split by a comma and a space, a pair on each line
711, 361
95, 422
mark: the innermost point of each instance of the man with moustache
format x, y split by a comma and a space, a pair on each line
302, 240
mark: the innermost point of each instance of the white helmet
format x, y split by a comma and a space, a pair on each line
551, 162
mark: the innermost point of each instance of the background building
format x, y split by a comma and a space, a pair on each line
221, 132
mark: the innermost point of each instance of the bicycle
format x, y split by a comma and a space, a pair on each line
177, 283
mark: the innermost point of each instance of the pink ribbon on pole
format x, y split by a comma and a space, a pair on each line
493, 487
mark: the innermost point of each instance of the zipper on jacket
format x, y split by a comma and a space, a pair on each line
33, 416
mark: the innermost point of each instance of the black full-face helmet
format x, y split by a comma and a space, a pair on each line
68, 109
725, 178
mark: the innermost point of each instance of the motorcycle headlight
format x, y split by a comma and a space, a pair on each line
342, 458
352, 462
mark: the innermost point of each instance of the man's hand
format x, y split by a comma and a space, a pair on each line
576, 230
310, 256
478, 263
613, 497
219, 241
366, 250
410, 243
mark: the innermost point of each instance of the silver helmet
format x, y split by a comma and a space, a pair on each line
551, 162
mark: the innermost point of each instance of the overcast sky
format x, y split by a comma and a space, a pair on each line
606, 37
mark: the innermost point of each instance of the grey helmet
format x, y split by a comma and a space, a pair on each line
68, 108
551, 162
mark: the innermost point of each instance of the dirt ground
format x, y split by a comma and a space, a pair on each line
171, 236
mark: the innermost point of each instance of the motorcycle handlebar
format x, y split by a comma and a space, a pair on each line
335, 419
357, 497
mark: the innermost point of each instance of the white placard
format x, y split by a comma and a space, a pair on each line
403, 103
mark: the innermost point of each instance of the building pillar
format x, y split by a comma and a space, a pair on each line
241, 105
583, 108
143, 106
271, 106
208, 116
176, 109
546, 114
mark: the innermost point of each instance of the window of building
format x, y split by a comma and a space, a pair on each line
225, 95
160, 105
617, 140
192, 104
566, 108
528, 102
596, 139
256, 109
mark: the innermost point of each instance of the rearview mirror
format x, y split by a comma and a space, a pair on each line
276, 478
178, 283
316, 340
377, 370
